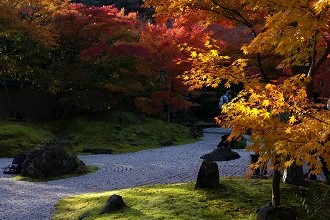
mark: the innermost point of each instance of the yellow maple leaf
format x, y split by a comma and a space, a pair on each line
288, 130
288, 163
214, 53
193, 54
255, 111
265, 102
292, 119
207, 43
267, 115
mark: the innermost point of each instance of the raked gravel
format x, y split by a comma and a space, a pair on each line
36, 200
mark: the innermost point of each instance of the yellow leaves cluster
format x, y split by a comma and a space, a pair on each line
283, 124
282, 121
290, 29
320, 5
210, 68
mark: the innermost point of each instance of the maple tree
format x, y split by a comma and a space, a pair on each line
26, 36
25, 26
129, 6
165, 44
299, 34
286, 127
87, 58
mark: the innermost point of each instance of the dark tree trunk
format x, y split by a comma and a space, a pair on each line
168, 116
294, 175
10, 105
276, 189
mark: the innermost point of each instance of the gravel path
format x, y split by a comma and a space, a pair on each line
26, 200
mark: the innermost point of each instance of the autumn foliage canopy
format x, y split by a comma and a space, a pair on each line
278, 51
281, 64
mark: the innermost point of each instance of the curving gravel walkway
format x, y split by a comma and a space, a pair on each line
25, 200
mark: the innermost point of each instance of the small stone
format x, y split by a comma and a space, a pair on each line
264, 212
114, 203
97, 150
166, 142
135, 143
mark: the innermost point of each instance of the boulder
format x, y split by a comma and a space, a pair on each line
264, 212
223, 151
114, 203
294, 175
208, 175
267, 212
220, 154
50, 161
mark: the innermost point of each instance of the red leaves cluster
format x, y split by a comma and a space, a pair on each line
82, 26
168, 46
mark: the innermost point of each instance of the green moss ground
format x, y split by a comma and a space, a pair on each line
236, 199
101, 131
16, 137
106, 131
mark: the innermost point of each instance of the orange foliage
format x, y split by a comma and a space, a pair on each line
282, 119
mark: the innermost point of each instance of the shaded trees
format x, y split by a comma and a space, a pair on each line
27, 37
86, 62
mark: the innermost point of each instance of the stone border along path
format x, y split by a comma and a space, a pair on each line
35, 200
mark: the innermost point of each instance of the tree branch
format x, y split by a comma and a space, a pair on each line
311, 68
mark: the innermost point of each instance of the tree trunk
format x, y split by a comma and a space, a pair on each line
316, 64
168, 117
17, 108
276, 188
10, 105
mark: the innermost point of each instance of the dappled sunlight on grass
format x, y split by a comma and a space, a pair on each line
235, 199
175, 201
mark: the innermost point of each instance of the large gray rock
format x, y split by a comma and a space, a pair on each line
208, 175
50, 161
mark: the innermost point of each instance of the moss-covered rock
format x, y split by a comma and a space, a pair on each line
51, 161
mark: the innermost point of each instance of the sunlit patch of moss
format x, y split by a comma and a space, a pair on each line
236, 199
